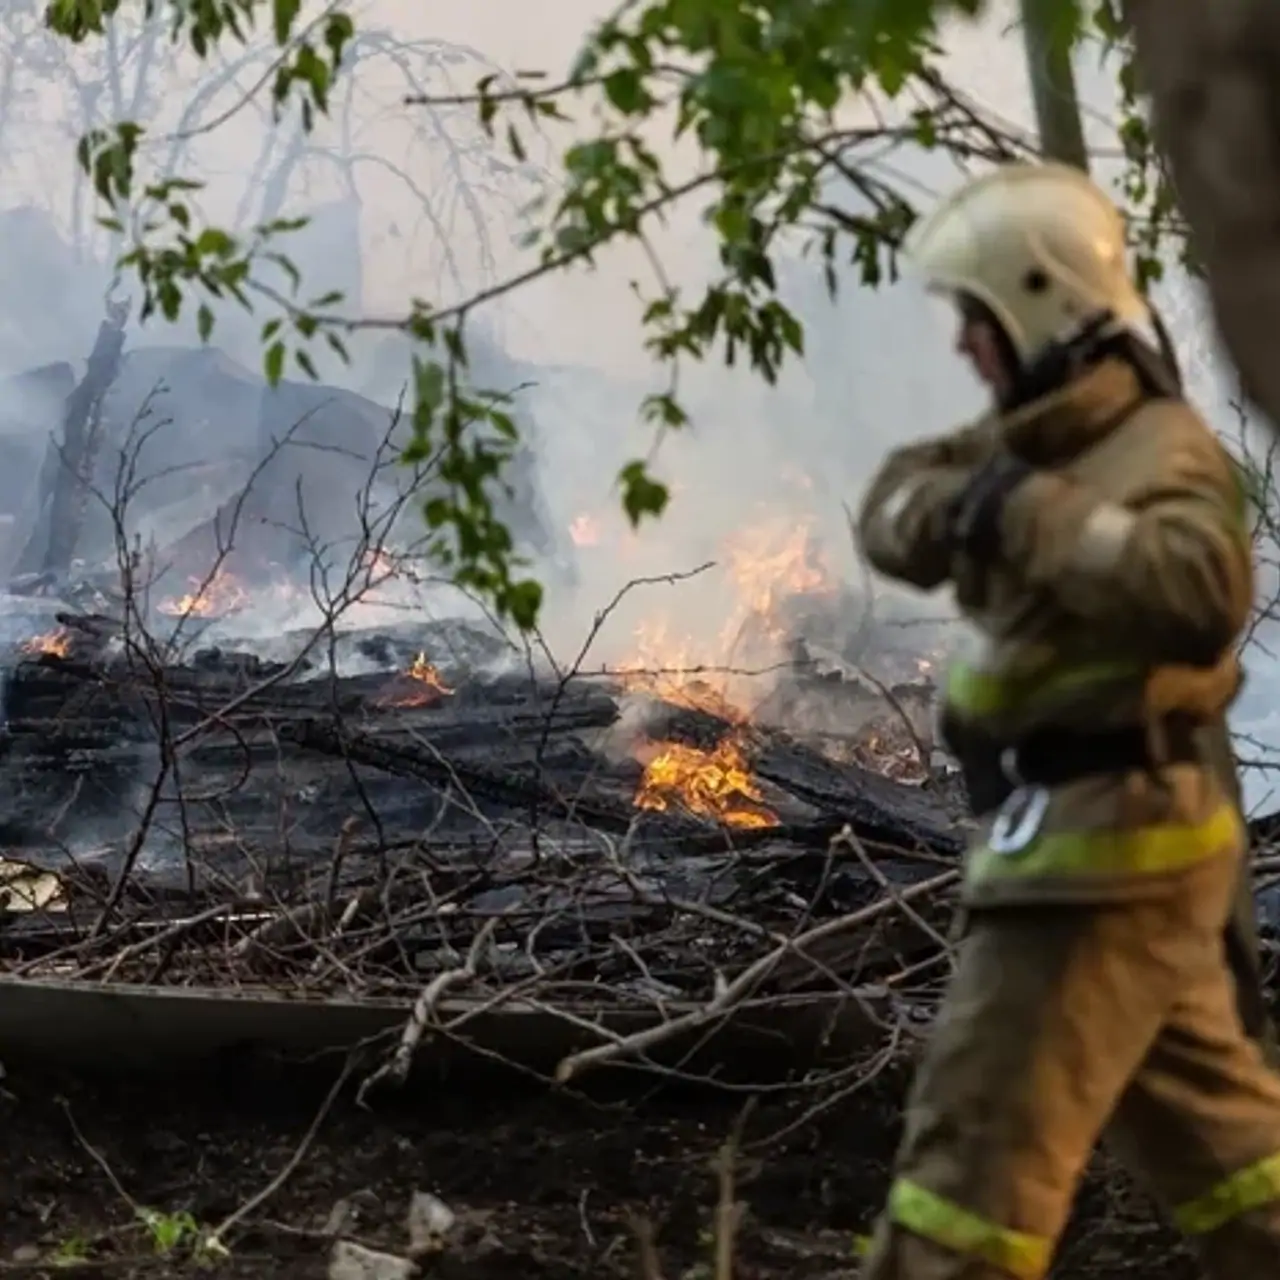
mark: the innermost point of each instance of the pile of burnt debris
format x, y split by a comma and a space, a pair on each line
228, 819
390, 812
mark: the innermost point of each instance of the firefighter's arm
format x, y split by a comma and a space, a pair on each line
1167, 572
903, 522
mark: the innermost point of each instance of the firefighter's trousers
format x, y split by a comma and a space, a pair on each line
1063, 1021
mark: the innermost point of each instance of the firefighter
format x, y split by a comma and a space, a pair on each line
1094, 534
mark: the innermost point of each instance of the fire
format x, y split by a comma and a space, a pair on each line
218, 595
422, 670
712, 784
57, 643
766, 566
585, 531
769, 563
665, 669
420, 685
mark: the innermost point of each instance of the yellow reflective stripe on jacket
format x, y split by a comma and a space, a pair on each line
1250, 1188
972, 691
1138, 851
944, 1222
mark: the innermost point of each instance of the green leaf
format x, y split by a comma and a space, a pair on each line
641, 494
283, 15
626, 91
522, 601
273, 363
204, 321
214, 243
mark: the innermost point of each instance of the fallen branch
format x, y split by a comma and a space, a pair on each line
397, 1069
741, 987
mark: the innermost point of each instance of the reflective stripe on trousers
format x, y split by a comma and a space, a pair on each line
1028, 1257
1248, 1189
1136, 851
944, 1222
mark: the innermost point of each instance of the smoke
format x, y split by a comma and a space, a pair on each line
410, 202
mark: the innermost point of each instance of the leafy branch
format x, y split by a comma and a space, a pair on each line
762, 89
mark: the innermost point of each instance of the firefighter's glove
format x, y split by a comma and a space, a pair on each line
977, 513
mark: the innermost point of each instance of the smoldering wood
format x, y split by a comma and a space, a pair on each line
346, 838
302, 794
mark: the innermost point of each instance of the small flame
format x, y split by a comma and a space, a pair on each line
380, 564
219, 595
421, 669
425, 686
585, 531
712, 784
665, 669
57, 643
769, 563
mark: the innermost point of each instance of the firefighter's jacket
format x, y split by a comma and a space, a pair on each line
1124, 584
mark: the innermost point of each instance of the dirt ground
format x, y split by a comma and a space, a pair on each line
543, 1185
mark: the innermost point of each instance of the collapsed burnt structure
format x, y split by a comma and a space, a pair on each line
398, 811
210, 789
378, 813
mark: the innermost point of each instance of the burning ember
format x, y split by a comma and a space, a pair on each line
57, 643
420, 686
712, 784
585, 531
220, 595
897, 760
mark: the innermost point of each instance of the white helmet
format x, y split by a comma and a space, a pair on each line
1038, 244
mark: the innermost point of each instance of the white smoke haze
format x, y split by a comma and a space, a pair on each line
411, 201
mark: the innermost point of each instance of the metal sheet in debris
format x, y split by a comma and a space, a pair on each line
132, 1027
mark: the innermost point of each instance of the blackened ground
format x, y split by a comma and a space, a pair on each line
543, 1185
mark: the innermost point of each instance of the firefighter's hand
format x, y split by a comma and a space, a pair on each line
976, 516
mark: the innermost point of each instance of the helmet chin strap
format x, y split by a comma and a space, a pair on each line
1098, 338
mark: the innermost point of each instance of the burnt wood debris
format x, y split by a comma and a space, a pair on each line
350, 810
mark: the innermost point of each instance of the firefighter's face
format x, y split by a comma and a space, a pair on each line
981, 343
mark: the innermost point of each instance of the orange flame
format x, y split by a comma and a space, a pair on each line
666, 670
57, 643
768, 563
425, 687
218, 595
712, 784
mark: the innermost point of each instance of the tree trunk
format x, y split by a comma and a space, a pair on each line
1053, 83
67, 469
1212, 70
